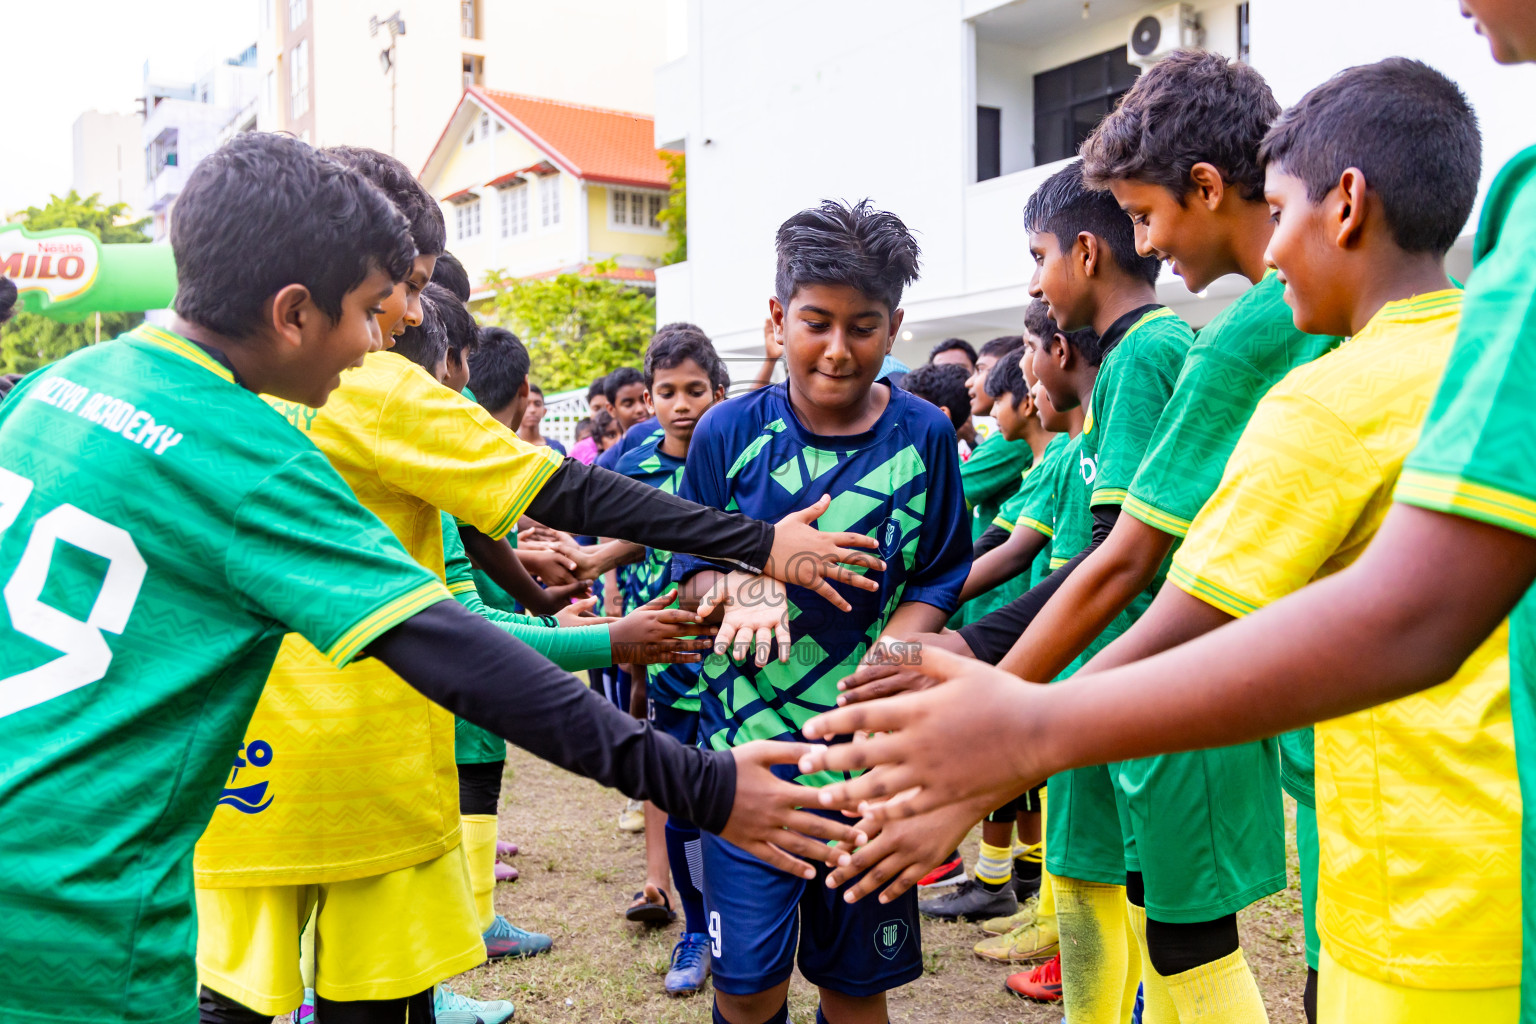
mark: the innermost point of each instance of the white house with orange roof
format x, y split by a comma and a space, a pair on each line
533, 187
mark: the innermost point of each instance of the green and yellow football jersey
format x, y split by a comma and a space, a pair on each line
1477, 455
992, 475
1133, 388
161, 528
1238, 357
1417, 799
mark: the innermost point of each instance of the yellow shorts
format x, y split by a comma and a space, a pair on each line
1345, 996
383, 937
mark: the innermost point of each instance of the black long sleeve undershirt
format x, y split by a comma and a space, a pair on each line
483, 675
588, 499
993, 635
992, 537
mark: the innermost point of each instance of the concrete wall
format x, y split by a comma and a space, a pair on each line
109, 158
880, 102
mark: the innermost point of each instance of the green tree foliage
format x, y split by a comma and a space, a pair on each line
674, 217
576, 328
30, 341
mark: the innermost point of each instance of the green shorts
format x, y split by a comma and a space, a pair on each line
1306, 850
474, 745
1205, 828
1082, 830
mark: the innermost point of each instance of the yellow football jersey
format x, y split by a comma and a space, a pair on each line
351, 773
1418, 802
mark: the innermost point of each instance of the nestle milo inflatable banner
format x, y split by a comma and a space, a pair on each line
66, 274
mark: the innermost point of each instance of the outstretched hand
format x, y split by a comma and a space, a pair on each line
766, 820
899, 853
655, 634
756, 616
972, 740
806, 557
890, 667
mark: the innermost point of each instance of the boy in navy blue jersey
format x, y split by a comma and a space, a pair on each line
684, 377
862, 455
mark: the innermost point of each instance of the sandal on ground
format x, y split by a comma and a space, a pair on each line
648, 912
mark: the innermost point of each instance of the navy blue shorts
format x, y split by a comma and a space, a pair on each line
756, 913
682, 726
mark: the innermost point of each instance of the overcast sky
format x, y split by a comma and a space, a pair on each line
62, 57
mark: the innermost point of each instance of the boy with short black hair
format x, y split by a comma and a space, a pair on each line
943, 385
429, 233
986, 358
450, 273
533, 416
954, 352
1090, 274
498, 369
890, 464
684, 378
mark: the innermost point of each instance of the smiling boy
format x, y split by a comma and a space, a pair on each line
890, 463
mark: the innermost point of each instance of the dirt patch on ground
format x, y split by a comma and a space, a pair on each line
579, 870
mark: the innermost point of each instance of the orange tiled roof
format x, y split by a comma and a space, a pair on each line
593, 143
611, 274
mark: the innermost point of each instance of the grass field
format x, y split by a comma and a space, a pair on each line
579, 870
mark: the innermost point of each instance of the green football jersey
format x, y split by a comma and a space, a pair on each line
1034, 506
1074, 532
1232, 364
161, 528
1477, 455
1133, 388
991, 476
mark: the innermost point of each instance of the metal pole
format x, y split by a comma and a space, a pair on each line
98, 328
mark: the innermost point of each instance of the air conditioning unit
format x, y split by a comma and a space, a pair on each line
1158, 33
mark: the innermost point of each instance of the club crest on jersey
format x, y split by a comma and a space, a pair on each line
889, 537
889, 938
251, 799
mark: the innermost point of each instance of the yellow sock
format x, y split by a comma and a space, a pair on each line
1220, 992
1047, 896
480, 849
1098, 979
995, 865
1157, 1005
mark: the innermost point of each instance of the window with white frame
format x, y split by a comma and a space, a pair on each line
466, 218
514, 211
298, 11
298, 80
636, 210
469, 19
549, 199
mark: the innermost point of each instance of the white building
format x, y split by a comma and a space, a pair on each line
325, 78
951, 112
109, 158
185, 122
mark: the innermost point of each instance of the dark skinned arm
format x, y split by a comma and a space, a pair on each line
1428, 590
1426, 593
992, 538
498, 560
1003, 563
1100, 588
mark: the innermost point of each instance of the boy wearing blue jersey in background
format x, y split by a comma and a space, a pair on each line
684, 377
878, 460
